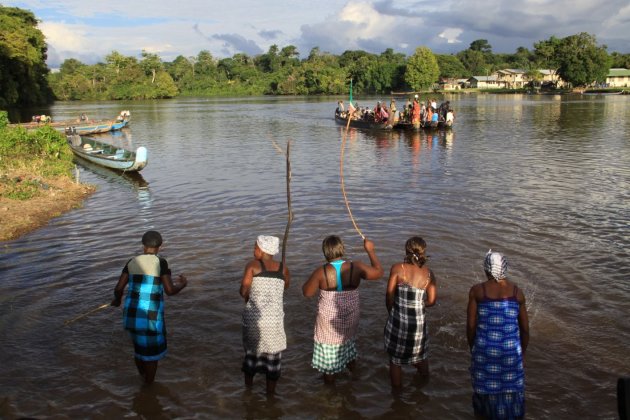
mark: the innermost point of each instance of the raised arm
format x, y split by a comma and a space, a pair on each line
374, 271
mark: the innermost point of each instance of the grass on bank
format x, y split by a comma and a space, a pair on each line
29, 158
36, 179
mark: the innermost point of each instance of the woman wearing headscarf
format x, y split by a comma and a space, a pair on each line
262, 287
497, 329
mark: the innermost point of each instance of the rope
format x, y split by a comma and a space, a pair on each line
343, 189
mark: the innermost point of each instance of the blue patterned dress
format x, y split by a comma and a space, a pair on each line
143, 314
497, 374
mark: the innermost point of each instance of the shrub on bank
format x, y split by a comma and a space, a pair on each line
27, 157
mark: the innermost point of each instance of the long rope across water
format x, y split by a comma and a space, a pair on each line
343, 188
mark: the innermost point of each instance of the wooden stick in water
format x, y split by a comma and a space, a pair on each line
290, 217
70, 321
343, 189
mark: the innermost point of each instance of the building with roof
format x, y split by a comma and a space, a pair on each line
618, 78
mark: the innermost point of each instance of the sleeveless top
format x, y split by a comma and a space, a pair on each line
497, 363
337, 266
144, 303
263, 317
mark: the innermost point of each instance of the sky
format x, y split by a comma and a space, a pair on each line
88, 30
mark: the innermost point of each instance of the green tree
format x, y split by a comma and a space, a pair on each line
481, 45
23, 69
151, 64
581, 61
474, 62
620, 61
450, 66
422, 69
545, 53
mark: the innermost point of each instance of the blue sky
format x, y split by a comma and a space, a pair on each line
88, 30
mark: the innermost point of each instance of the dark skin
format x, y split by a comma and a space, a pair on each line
420, 278
147, 369
326, 280
496, 290
253, 268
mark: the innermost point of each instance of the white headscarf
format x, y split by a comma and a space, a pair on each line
268, 244
495, 264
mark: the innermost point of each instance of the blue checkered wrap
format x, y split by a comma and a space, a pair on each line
143, 314
497, 364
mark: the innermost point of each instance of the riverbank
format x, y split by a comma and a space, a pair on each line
53, 197
36, 183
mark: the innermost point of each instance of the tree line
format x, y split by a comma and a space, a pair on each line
578, 59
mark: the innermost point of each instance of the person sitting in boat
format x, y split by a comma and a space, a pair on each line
340, 111
415, 113
83, 118
428, 117
450, 117
380, 113
435, 118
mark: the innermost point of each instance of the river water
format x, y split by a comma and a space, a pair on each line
543, 179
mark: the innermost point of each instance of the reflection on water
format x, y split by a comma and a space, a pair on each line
544, 179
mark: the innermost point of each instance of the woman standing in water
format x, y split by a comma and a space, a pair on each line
411, 287
338, 313
497, 329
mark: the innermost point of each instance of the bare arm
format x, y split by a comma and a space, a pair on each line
523, 322
471, 318
287, 278
391, 287
171, 288
246, 282
374, 271
431, 290
312, 284
120, 288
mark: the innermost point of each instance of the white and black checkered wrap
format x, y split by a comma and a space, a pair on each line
269, 364
263, 317
406, 338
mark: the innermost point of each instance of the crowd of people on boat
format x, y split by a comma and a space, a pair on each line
497, 323
414, 113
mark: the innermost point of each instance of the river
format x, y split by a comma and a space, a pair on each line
543, 179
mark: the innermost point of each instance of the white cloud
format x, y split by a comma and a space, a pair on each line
451, 35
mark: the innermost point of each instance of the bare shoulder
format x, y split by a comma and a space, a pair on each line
476, 291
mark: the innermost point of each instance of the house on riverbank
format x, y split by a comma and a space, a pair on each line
514, 79
618, 78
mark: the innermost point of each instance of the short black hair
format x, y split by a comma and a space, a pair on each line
152, 239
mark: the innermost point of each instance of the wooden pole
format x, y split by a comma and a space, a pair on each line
290, 216
70, 321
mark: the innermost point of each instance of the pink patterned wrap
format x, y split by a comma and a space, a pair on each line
337, 316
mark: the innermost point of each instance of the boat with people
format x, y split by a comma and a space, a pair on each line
365, 123
108, 155
423, 125
82, 125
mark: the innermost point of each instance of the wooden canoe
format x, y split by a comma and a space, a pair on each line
108, 155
